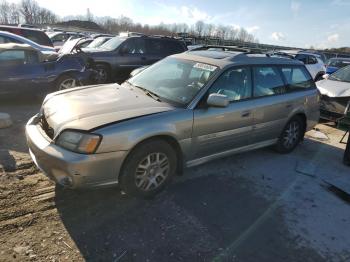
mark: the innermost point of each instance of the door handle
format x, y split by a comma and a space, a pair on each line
143, 58
245, 114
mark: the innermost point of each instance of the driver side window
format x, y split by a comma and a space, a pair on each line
235, 83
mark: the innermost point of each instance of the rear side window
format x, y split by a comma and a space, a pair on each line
134, 46
268, 81
173, 47
38, 37
155, 46
297, 78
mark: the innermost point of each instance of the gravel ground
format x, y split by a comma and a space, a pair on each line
257, 206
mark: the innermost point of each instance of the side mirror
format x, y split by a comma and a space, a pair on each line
217, 100
325, 76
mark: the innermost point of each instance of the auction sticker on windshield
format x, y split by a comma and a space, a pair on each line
205, 67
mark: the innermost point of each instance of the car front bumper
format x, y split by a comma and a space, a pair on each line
334, 108
68, 168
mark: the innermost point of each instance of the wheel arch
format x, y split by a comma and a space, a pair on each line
168, 139
303, 118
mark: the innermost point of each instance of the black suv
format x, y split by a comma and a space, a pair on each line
116, 58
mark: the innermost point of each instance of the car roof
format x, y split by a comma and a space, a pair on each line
222, 59
21, 28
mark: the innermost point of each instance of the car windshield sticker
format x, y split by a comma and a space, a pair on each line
205, 67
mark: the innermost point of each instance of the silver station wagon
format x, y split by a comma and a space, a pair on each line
183, 111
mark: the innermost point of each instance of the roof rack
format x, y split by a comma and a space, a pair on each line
221, 47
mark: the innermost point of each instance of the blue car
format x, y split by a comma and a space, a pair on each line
25, 70
336, 63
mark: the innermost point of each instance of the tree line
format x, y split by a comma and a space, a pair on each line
26, 11
29, 11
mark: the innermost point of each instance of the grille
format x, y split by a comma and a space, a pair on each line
46, 127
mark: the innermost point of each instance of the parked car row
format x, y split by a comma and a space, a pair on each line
26, 70
110, 58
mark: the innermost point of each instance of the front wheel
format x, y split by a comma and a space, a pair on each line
291, 135
66, 82
148, 169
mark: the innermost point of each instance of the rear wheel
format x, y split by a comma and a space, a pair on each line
148, 169
291, 135
66, 82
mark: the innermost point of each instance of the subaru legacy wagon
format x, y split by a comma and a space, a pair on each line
182, 111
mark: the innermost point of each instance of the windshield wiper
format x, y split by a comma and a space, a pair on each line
147, 92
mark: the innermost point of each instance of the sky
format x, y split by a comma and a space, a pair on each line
299, 23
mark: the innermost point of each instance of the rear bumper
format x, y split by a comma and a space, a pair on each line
72, 169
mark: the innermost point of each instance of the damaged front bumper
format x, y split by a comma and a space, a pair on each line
334, 108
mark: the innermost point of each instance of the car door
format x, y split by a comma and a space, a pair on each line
220, 129
271, 103
20, 71
131, 55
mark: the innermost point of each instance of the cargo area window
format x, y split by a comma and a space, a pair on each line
297, 78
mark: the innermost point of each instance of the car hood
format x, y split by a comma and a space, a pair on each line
333, 88
86, 108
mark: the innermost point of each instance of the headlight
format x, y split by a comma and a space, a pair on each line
79, 142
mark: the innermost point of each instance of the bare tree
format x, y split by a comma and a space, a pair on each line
4, 12
199, 26
242, 35
14, 14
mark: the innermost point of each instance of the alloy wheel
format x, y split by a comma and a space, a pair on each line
152, 171
291, 135
68, 83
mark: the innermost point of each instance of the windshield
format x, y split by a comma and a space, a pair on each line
342, 75
98, 42
174, 79
338, 63
113, 43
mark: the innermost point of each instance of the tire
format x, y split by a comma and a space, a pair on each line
291, 135
148, 169
103, 75
66, 82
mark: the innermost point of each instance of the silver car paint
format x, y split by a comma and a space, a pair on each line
88, 108
333, 88
126, 117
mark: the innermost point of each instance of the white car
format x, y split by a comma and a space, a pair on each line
313, 63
